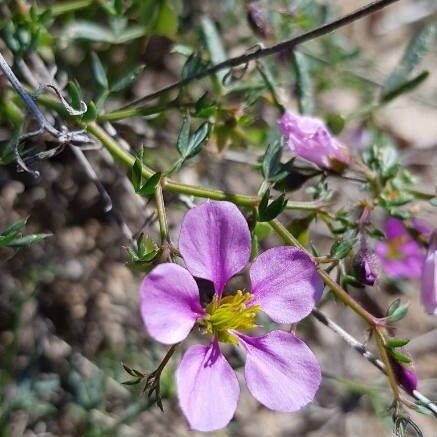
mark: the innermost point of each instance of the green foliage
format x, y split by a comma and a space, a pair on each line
267, 211
13, 236
399, 82
304, 85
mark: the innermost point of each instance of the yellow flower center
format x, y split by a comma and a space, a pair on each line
395, 246
230, 313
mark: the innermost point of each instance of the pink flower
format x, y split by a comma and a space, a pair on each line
400, 255
429, 277
281, 372
310, 139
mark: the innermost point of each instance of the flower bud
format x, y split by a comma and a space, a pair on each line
310, 139
365, 266
406, 376
257, 20
429, 277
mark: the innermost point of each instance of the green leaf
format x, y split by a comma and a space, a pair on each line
399, 357
397, 342
351, 280
166, 22
91, 112
195, 144
193, 65
413, 55
75, 94
127, 79
184, 136
149, 187
335, 121
134, 174
304, 91
341, 248
268, 211
99, 72
132, 381
397, 311
28, 240
11, 232
214, 45
90, 31
271, 163
405, 87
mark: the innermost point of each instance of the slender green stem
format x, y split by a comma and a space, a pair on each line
380, 341
162, 216
210, 193
127, 159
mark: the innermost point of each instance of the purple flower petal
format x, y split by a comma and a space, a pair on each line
207, 388
281, 371
401, 256
215, 242
395, 228
285, 282
169, 303
429, 278
310, 139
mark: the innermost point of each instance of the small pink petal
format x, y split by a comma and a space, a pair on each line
285, 282
207, 388
429, 278
169, 303
215, 242
281, 371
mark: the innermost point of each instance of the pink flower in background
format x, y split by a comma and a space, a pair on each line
429, 277
281, 372
310, 139
421, 227
400, 255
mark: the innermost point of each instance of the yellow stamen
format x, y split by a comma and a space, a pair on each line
395, 246
230, 313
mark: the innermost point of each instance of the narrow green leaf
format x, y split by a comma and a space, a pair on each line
268, 212
405, 87
214, 45
91, 113
99, 72
127, 79
132, 381
271, 162
134, 174
149, 187
74, 94
397, 312
397, 342
193, 65
341, 248
415, 52
399, 357
184, 136
197, 139
28, 240
304, 90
